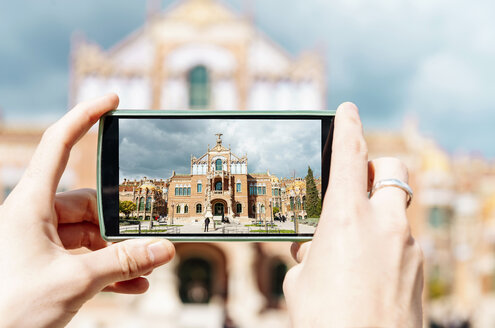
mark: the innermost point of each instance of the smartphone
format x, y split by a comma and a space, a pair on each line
213, 175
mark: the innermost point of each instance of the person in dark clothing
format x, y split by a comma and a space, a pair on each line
223, 217
207, 223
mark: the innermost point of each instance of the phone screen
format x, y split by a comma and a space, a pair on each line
219, 177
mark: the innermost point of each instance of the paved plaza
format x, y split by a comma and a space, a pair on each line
226, 228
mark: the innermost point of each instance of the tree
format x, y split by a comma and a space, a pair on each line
126, 207
313, 201
275, 210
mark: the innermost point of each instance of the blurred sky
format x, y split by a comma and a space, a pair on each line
432, 60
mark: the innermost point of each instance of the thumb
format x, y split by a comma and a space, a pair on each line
128, 260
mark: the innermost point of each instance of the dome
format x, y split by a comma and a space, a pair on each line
147, 185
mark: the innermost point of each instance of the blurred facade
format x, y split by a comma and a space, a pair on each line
200, 54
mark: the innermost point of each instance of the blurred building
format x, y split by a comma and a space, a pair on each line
198, 54
201, 54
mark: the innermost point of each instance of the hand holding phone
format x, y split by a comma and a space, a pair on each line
43, 283
363, 268
208, 175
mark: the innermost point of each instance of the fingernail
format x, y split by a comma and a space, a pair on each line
347, 106
160, 252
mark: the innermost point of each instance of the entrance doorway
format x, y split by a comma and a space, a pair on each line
219, 209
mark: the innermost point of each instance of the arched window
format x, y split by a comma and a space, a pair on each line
199, 208
238, 187
199, 187
178, 209
199, 88
195, 280
277, 279
148, 203
239, 208
186, 209
218, 165
218, 185
141, 204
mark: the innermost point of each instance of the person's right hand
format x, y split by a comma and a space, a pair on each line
363, 268
43, 284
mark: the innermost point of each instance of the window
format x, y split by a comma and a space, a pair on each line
176, 191
141, 204
277, 279
438, 216
250, 190
218, 165
218, 185
178, 209
199, 89
148, 203
239, 208
264, 190
259, 190
199, 187
195, 274
238, 187
189, 191
186, 209
199, 208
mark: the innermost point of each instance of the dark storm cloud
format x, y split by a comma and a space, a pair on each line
154, 148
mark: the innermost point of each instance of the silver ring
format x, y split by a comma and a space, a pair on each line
393, 183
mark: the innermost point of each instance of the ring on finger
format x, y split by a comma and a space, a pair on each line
393, 183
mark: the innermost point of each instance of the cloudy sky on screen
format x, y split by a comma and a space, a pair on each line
155, 147
429, 60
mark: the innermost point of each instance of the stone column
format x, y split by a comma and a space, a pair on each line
161, 303
245, 300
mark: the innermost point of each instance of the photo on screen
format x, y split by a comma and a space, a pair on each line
189, 176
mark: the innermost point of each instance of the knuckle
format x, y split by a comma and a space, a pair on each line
129, 267
418, 252
55, 134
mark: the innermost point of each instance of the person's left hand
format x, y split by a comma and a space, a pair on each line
42, 283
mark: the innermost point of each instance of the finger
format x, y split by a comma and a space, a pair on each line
137, 285
349, 165
50, 158
389, 199
82, 234
299, 250
76, 206
128, 259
